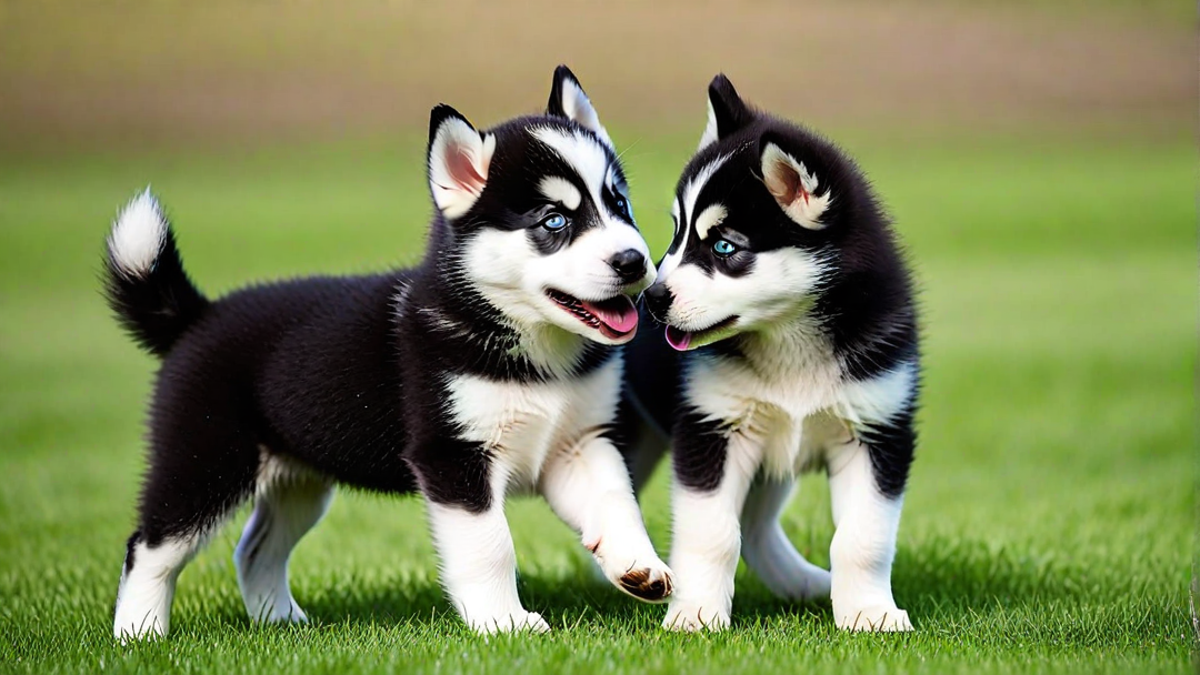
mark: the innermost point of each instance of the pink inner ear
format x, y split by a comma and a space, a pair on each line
461, 168
785, 184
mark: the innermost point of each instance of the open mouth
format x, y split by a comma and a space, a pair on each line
615, 317
682, 340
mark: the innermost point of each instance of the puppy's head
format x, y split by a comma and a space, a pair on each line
762, 214
538, 216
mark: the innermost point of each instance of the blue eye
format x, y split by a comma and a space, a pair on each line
554, 222
623, 206
723, 248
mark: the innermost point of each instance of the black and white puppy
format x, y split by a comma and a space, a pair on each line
491, 368
792, 318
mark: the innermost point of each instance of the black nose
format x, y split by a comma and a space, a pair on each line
629, 264
658, 301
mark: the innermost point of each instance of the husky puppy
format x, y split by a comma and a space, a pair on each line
493, 367
791, 316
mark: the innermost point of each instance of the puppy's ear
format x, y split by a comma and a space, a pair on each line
568, 100
726, 111
793, 186
458, 161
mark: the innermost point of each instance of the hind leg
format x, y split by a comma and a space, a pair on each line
290, 500
148, 584
202, 466
767, 550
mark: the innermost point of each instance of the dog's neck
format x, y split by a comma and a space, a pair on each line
789, 349
470, 335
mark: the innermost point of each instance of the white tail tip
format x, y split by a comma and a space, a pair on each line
138, 235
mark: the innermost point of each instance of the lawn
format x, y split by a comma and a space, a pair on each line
1048, 527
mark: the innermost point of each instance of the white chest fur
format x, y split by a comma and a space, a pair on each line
519, 423
785, 410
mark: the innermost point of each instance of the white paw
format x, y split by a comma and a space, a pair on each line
879, 619
133, 631
510, 623
281, 611
692, 617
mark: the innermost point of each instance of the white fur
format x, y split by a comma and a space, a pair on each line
709, 218
672, 259
880, 398
561, 190
684, 213
805, 208
147, 589
513, 277
516, 424
520, 423
138, 235
864, 545
710, 129
588, 486
707, 540
459, 159
578, 107
290, 500
581, 152
591, 163
695, 186
790, 409
775, 292
479, 568
543, 435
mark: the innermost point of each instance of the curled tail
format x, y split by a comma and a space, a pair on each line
146, 286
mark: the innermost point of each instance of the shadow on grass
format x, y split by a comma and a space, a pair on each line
564, 601
950, 582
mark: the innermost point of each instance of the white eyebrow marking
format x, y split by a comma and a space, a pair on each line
690, 193
710, 218
671, 260
582, 153
589, 158
559, 189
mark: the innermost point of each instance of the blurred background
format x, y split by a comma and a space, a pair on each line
1038, 157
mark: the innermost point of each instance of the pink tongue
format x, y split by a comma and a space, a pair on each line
678, 339
618, 314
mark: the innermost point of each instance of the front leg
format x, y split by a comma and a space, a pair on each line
866, 482
713, 469
465, 502
588, 486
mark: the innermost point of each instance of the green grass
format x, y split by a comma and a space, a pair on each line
1048, 527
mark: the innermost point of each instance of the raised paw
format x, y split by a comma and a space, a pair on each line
878, 619
692, 617
510, 623
651, 584
640, 574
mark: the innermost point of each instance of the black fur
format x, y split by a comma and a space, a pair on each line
863, 306
156, 309
891, 449
698, 451
342, 374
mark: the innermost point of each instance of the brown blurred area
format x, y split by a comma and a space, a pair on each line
92, 74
